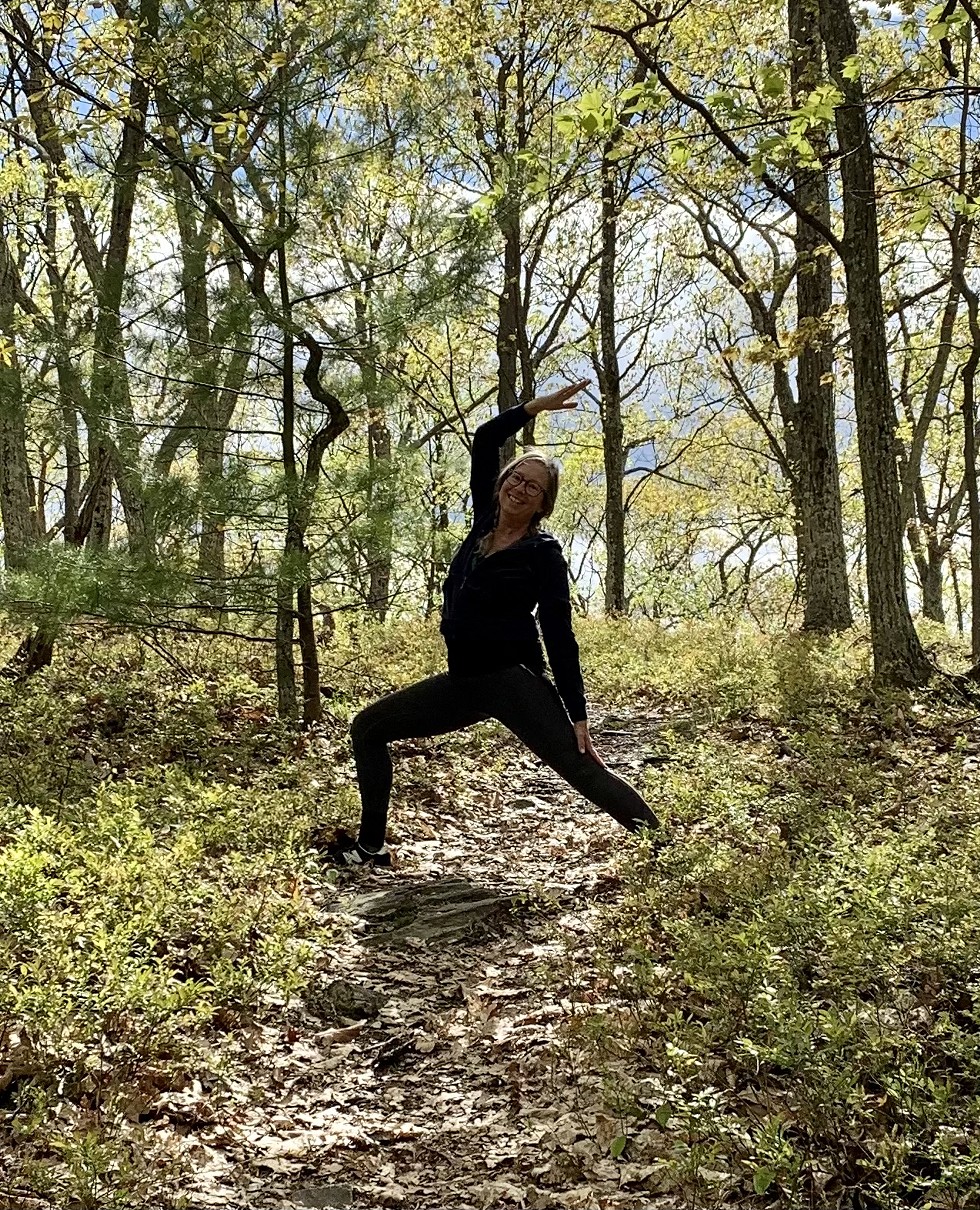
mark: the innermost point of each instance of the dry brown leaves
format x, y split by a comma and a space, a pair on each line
460, 1091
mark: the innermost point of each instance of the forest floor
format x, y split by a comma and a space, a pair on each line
780, 1007
458, 1090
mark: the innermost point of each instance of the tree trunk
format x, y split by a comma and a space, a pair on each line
380, 504
820, 530
508, 312
610, 395
285, 595
970, 467
898, 654
296, 560
933, 606
957, 596
20, 523
110, 395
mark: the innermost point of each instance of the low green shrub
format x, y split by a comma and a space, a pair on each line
155, 841
794, 979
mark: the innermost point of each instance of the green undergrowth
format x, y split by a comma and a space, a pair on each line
792, 984
156, 829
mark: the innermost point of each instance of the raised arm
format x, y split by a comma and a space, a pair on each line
485, 461
489, 437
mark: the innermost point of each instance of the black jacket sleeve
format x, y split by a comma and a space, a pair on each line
485, 462
555, 620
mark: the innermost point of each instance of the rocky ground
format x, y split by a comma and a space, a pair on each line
428, 1066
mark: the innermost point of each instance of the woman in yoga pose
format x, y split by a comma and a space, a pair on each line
505, 568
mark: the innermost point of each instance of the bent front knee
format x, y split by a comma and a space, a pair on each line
361, 727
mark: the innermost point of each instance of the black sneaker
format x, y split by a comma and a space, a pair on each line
345, 851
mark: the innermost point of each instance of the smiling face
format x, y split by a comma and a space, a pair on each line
522, 493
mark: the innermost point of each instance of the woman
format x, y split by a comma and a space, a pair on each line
505, 568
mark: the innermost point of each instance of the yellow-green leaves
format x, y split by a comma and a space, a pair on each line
484, 207
236, 121
941, 24
597, 112
592, 114
852, 68
772, 81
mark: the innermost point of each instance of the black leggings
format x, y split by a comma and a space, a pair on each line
524, 702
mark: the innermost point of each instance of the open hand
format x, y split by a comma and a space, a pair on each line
584, 741
558, 400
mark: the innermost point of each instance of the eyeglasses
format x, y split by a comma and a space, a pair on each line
518, 480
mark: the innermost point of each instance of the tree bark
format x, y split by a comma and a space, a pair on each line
380, 504
20, 524
970, 462
820, 530
285, 595
898, 654
508, 312
610, 393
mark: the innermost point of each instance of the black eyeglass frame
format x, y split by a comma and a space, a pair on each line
534, 490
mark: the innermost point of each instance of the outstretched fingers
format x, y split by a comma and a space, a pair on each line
564, 397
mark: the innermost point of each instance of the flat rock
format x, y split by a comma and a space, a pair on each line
447, 909
341, 1000
529, 803
322, 1197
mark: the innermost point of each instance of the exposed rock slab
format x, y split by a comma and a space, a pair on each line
324, 1197
447, 909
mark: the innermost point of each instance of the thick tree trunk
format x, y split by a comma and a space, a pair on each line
309, 658
17, 512
933, 606
820, 530
110, 396
33, 654
898, 654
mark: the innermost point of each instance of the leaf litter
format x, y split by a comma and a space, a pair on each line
437, 1074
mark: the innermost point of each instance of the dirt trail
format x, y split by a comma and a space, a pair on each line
431, 1075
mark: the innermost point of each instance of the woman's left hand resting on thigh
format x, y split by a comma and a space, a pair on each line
585, 742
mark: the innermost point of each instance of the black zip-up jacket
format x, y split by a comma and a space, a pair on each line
488, 605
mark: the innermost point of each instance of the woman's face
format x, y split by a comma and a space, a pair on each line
521, 494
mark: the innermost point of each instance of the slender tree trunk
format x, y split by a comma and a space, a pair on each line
440, 525
610, 394
296, 558
382, 510
381, 504
957, 595
70, 393
822, 555
216, 412
970, 468
285, 667
898, 654
508, 313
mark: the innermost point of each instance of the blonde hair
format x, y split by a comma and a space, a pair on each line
549, 496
